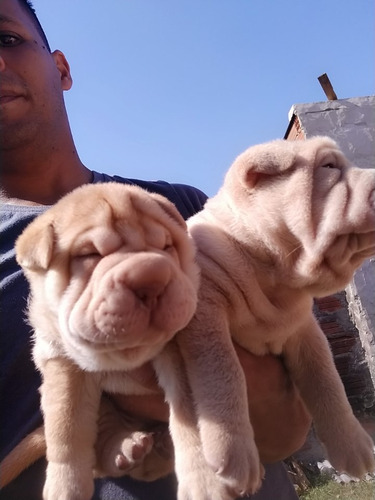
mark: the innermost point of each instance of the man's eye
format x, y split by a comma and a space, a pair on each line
9, 40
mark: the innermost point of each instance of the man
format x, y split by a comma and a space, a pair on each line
39, 164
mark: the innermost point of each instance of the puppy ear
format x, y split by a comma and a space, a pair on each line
170, 209
264, 160
252, 177
34, 248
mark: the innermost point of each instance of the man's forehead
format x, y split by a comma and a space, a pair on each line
11, 13
6, 20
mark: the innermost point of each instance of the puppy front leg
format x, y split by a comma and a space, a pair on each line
218, 389
196, 480
70, 400
309, 359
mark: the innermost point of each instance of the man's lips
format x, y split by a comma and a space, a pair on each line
4, 99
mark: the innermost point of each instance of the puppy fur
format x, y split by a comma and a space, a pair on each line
113, 277
293, 221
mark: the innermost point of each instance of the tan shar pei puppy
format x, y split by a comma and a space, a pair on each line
113, 277
293, 221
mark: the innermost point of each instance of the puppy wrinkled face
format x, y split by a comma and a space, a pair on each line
122, 278
342, 228
311, 212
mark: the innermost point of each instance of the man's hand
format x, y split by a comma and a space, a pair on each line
278, 415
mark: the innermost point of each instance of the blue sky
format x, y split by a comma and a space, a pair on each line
176, 89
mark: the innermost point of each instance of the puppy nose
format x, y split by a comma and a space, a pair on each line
149, 294
149, 279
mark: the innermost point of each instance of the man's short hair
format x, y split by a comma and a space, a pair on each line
29, 9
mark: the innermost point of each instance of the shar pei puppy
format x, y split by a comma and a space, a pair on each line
113, 277
292, 221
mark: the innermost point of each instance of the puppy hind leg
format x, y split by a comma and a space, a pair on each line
122, 447
159, 462
310, 362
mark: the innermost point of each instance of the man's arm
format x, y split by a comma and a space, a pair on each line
278, 415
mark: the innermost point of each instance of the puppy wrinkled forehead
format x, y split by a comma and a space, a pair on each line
77, 215
97, 239
107, 216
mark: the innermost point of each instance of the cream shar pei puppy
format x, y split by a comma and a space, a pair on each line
293, 221
113, 277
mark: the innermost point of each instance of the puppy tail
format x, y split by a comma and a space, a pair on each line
28, 451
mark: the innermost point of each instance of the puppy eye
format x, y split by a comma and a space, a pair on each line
168, 244
329, 165
89, 255
87, 251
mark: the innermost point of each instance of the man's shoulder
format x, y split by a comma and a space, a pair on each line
188, 199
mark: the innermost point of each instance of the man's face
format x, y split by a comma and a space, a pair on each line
31, 79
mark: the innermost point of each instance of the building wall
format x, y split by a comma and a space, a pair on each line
350, 122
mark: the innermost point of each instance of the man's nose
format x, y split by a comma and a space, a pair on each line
2, 63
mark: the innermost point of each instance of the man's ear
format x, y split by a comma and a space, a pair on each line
63, 68
34, 248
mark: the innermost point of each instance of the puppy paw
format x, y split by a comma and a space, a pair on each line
124, 452
235, 460
159, 462
204, 484
242, 472
68, 482
133, 450
352, 451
